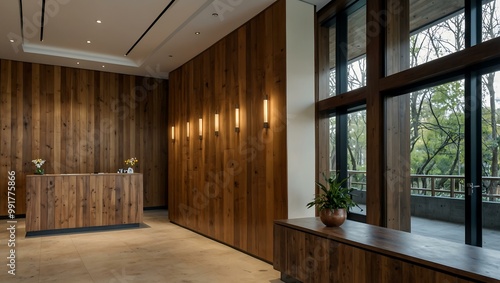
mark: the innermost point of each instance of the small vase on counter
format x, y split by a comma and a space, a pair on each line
38, 164
131, 162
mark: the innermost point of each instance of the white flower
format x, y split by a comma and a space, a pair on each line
38, 162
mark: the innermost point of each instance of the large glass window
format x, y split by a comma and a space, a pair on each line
437, 133
347, 50
356, 158
353, 155
437, 29
451, 139
490, 85
437, 160
437, 143
356, 49
332, 49
491, 19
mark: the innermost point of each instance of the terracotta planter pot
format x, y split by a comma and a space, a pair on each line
333, 217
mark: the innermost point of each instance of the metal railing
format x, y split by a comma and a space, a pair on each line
452, 186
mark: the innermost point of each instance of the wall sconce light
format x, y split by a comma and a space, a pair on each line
237, 119
216, 124
187, 130
200, 127
173, 133
266, 112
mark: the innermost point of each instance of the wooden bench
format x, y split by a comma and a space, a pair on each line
307, 251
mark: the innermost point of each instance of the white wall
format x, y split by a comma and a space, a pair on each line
300, 107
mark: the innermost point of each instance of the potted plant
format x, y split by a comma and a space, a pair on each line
38, 163
333, 202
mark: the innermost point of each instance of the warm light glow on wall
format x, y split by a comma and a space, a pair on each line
173, 133
216, 124
187, 130
266, 112
200, 128
237, 119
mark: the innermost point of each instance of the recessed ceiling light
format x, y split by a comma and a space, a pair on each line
103, 66
88, 41
98, 21
78, 63
197, 32
12, 40
215, 14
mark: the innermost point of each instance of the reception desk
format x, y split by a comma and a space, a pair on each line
66, 201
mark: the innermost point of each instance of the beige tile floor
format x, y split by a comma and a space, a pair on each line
158, 252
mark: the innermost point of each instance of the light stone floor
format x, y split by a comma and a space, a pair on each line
157, 252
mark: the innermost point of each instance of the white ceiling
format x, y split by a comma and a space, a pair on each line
170, 42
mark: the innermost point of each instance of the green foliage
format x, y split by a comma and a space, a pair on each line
334, 196
356, 144
439, 126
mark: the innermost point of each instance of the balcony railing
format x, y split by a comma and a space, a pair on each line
452, 186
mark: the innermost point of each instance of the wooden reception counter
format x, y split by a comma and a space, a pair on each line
63, 201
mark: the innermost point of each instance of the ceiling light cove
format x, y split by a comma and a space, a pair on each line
79, 55
158, 37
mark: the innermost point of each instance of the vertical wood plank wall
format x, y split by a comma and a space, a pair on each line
81, 121
231, 187
397, 120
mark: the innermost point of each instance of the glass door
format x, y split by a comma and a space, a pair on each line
437, 146
490, 126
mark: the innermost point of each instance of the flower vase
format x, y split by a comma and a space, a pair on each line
39, 171
130, 170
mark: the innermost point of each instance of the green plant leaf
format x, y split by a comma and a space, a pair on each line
333, 195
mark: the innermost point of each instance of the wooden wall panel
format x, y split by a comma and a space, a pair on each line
232, 186
81, 121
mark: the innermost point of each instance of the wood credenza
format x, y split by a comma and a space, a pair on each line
82, 200
306, 250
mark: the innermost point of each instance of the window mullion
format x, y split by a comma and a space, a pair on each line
473, 18
341, 78
473, 133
